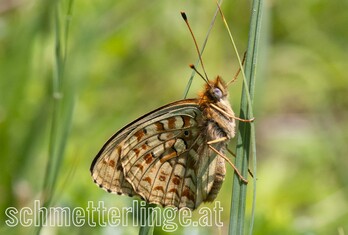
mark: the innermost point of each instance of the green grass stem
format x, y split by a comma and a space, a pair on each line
149, 220
62, 110
246, 131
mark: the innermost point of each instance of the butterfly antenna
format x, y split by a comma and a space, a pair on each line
194, 68
234, 45
239, 69
205, 78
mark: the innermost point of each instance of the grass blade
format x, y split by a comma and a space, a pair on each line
62, 110
246, 131
148, 228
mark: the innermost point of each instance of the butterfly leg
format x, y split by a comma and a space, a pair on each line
239, 69
231, 116
234, 155
243, 120
229, 161
217, 140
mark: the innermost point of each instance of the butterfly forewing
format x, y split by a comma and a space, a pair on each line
163, 158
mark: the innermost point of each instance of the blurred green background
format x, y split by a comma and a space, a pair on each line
120, 59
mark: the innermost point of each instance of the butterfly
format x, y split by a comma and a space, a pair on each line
175, 155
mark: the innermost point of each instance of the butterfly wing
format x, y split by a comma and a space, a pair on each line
162, 157
106, 168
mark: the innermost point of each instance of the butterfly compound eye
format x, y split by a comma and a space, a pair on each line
217, 93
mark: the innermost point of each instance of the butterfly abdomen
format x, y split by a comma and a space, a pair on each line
220, 171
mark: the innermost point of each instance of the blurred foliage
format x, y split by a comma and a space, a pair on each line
125, 58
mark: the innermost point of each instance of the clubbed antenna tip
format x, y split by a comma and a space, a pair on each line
194, 68
205, 78
183, 14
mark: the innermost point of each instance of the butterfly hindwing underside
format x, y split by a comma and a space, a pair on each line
163, 156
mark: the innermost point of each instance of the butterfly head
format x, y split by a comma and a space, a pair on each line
215, 91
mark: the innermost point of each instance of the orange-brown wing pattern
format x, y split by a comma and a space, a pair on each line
162, 157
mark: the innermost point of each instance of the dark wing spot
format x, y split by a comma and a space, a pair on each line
147, 179
139, 134
176, 180
186, 121
162, 178
148, 158
140, 166
159, 126
174, 190
187, 193
171, 123
136, 151
112, 163
159, 188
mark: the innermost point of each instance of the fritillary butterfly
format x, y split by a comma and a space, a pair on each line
174, 155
